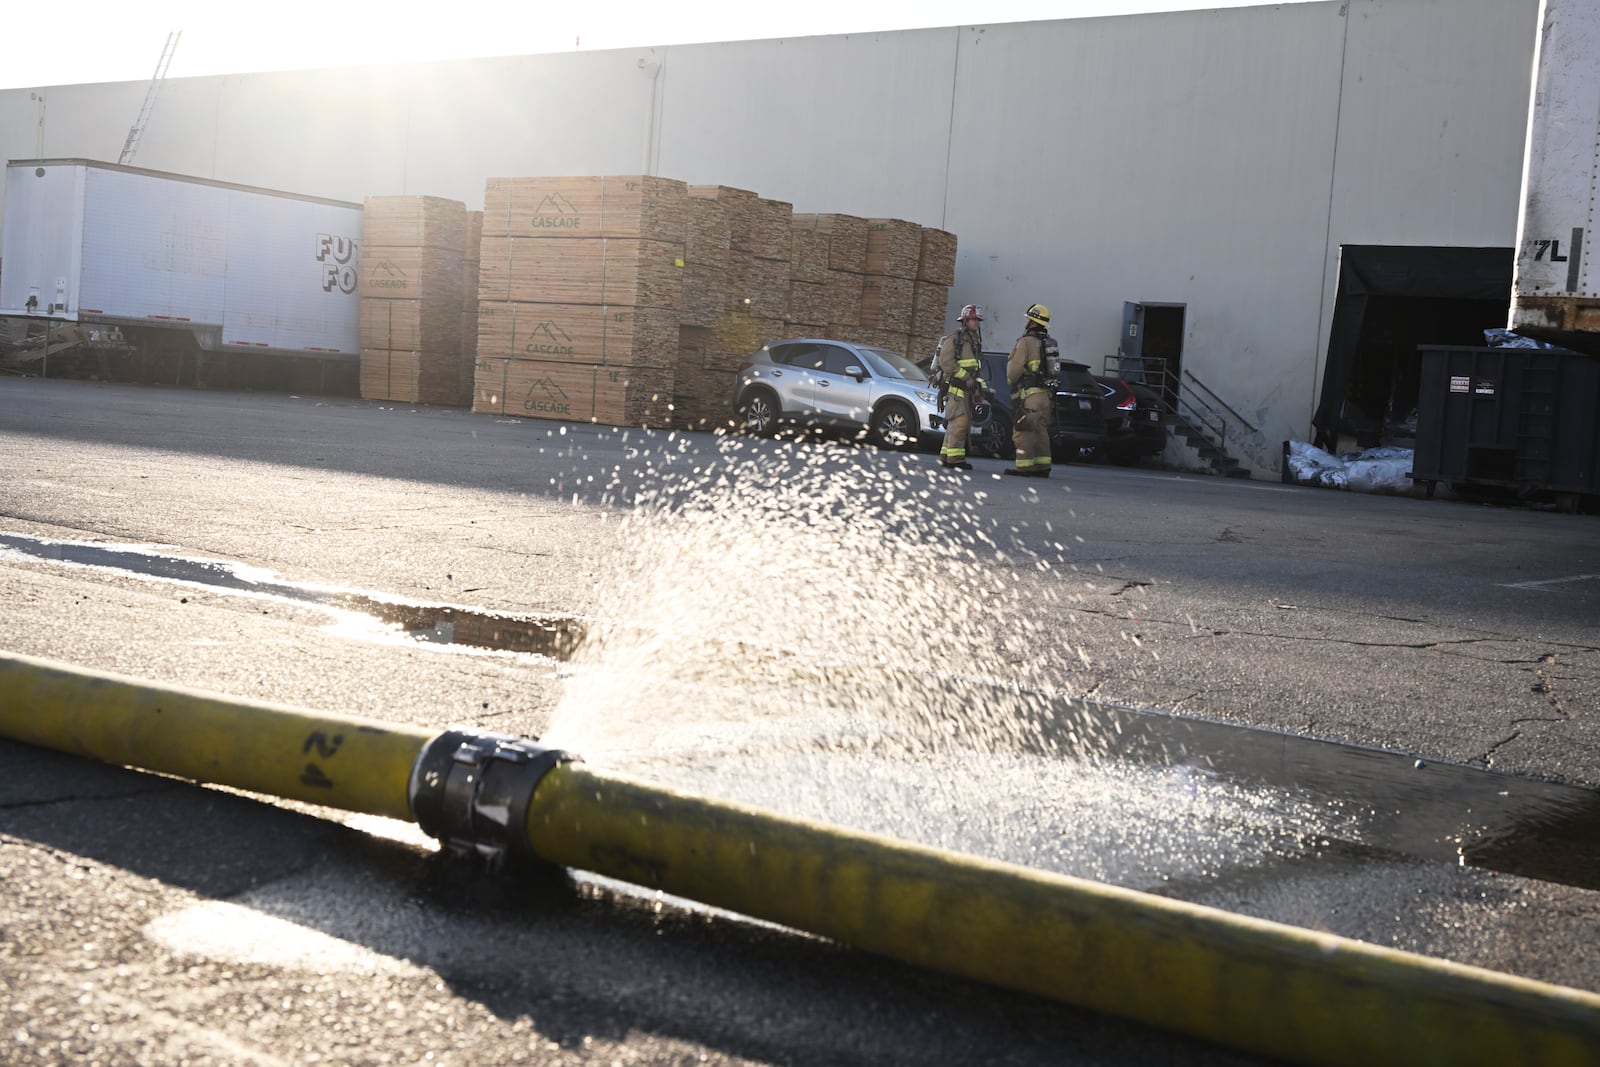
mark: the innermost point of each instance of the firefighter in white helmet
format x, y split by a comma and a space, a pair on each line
1031, 372
960, 369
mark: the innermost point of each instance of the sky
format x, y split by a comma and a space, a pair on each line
98, 41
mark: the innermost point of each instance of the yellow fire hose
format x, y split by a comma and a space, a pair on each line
1262, 987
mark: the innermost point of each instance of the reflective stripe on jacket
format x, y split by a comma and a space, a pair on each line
1025, 364
958, 359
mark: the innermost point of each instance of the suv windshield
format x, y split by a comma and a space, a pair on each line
888, 364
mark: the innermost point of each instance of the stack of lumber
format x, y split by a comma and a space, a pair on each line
706, 258
756, 277
936, 273
699, 402
770, 235
831, 252
469, 307
633, 300
894, 247
581, 284
905, 285
889, 289
735, 298
412, 278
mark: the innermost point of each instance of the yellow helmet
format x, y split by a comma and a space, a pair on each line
1039, 315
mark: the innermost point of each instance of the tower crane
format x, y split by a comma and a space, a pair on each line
131, 145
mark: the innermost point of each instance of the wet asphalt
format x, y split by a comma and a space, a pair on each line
152, 921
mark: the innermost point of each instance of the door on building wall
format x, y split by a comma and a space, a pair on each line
1151, 349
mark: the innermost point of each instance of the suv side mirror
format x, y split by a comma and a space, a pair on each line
856, 372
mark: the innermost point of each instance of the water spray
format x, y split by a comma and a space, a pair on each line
1262, 987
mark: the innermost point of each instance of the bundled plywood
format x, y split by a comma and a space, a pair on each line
741, 207
886, 303
845, 290
469, 356
922, 347
412, 279
808, 256
808, 302
770, 232
414, 222
637, 206
937, 261
547, 270
415, 377
893, 340
739, 333
590, 334
541, 389
387, 375
758, 285
705, 295
469, 307
928, 305
407, 325
469, 259
694, 343
710, 235
430, 275
847, 239
894, 247
702, 393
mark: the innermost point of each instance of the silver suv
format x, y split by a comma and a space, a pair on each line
817, 383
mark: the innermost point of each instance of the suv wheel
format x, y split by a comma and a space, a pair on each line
758, 413
894, 426
1001, 444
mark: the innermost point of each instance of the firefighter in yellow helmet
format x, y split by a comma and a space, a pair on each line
1031, 373
961, 368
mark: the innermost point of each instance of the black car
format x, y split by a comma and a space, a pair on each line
1079, 430
1134, 426
990, 434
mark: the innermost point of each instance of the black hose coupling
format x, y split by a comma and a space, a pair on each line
471, 790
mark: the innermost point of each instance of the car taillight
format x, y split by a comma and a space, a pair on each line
745, 365
1128, 404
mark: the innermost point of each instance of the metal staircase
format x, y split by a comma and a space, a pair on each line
1193, 412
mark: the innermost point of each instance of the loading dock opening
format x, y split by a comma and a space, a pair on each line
1392, 298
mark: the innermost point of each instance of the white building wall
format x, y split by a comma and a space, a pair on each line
1183, 159
1432, 129
853, 124
1215, 159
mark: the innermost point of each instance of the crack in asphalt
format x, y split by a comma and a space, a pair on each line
1543, 686
1422, 646
77, 798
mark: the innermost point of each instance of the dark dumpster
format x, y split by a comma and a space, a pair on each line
1523, 419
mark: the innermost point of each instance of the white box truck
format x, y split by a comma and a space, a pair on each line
241, 269
1555, 290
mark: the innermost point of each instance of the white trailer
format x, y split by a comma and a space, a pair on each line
1556, 288
242, 269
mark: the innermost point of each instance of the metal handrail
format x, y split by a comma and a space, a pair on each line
1149, 371
1198, 404
1206, 389
1198, 416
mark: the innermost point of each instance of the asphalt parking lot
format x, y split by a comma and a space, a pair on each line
155, 921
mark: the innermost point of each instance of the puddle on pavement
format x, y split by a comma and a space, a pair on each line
438, 624
1375, 798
